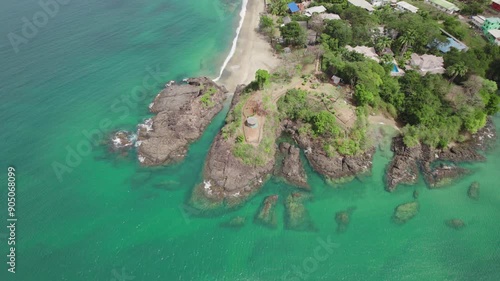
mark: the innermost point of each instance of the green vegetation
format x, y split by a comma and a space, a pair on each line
262, 78
293, 34
206, 98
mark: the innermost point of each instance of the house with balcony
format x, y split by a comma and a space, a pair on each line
489, 24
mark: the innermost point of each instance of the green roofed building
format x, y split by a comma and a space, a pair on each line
444, 6
489, 24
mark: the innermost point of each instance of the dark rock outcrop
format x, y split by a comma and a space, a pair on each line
122, 140
455, 223
267, 213
473, 191
292, 169
183, 111
405, 212
336, 167
441, 175
403, 168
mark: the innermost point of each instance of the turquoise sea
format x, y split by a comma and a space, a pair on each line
103, 217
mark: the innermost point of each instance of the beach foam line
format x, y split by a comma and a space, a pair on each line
235, 40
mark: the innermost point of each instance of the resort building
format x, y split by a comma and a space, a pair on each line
362, 4
494, 36
406, 7
478, 21
426, 64
495, 5
444, 6
317, 9
368, 52
329, 16
490, 23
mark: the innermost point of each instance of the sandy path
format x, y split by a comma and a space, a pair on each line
252, 52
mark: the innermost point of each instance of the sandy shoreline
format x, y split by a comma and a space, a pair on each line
252, 51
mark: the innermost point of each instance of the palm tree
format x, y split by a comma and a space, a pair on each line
458, 69
407, 39
383, 43
278, 7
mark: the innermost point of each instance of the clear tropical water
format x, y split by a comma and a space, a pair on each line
106, 218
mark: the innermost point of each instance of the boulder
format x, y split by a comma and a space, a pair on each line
292, 169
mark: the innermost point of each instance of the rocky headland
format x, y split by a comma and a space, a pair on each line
438, 166
183, 111
334, 168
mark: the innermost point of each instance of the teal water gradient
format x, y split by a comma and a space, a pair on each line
109, 219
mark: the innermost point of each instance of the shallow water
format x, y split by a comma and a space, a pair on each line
106, 218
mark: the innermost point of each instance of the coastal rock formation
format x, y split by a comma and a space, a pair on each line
455, 223
337, 167
296, 215
405, 212
292, 169
267, 212
183, 111
473, 191
404, 167
228, 181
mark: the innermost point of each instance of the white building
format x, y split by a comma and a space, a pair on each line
362, 4
406, 7
379, 3
494, 36
318, 9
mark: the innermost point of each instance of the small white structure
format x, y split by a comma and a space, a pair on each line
329, 17
318, 9
406, 7
368, 52
427, 64
478, 21
336, 80
362, 4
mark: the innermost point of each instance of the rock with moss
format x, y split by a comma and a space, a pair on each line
455, 223
235, 222
405, 212
473, 191
296, 215
267, 212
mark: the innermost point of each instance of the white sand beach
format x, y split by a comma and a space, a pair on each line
252, 51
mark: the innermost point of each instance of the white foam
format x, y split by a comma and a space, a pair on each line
141, 158
235, 40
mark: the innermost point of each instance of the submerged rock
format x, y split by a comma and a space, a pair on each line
183, 111
455, 223
441, 175
235, 222
473, 191
296, 214
267, 212
416, 194
343, 218
405, 212
292, 169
